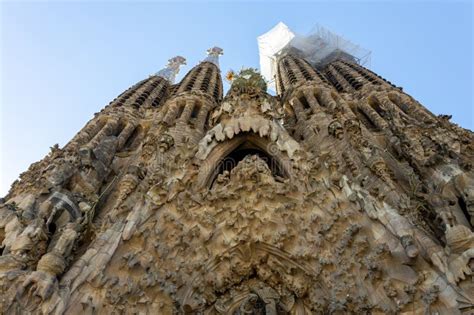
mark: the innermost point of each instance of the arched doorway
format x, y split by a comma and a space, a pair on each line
226, 155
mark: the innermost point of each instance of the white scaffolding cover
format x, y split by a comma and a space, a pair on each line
316, 46
269, 45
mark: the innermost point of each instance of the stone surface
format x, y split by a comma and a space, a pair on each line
340, 195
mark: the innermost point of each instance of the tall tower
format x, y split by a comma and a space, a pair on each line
341, 194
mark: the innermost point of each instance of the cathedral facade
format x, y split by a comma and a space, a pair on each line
341, 194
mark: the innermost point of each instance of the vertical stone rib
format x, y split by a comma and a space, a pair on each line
279, 81
157, 94
388, 105
326, 100
218, 87
285, 81
172, 112
212, 83
202, 116
373, 116
191, 76
86, 134
188, 109
304, 66
312, 101
141, 93
205, 82
298, 109
309, 73
296, 70
200, 77
122, 98
125, 134
409, 106
109, 129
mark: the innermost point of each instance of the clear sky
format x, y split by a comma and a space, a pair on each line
63, 61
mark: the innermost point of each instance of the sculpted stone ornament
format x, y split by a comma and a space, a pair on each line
408, 244
223, 178
251, 305
38, 284
27, 248
339, 195
464, 186
460, 246
213, 55
165, 143
172, 68
52, 264
149, 146
335, 129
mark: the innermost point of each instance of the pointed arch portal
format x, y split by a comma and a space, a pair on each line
226, 155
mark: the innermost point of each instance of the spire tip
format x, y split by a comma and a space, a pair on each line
213, 55
172, 68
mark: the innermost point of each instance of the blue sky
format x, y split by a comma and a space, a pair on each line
63, 61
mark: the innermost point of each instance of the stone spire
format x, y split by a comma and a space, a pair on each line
213, 55
172, 68
343, 186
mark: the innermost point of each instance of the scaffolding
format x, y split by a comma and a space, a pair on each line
319, 47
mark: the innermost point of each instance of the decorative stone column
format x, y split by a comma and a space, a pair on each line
125, 134
187, 111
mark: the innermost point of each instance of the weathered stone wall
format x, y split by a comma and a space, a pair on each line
341, 195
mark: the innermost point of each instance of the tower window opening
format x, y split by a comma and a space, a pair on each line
140, 101
195, 112
318, 97
352, 81
118, 129
51, 228
216, 92
306, 75
333, 80
155, 102
180, 110
321, 76
376, 106
279, 81
463, 206
289, 71
363, 73
291, 76
194, 74
189, 86
303, 67
160, 96
304, 102
206, 80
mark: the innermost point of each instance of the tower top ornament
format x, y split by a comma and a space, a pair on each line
172, 68
213, 55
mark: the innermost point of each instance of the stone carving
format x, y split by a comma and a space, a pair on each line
166, 142
460, 245
340, 195
335, 129
41, 281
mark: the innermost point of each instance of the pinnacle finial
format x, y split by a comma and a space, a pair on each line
213, 55
172, 68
